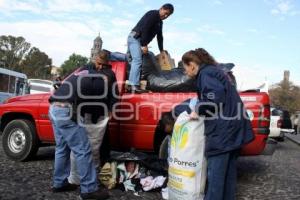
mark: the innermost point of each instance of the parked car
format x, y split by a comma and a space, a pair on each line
26, 126
38, 86
280, 124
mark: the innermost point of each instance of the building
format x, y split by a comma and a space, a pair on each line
55, 71
97, 46
286, 76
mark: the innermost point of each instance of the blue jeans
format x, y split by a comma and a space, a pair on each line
134, 47
221, 176
69, 136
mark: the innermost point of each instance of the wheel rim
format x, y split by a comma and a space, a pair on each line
16, 140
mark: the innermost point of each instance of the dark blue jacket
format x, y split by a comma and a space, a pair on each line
149, 26
226, 127
91, 87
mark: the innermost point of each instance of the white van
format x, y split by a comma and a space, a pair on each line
38, 86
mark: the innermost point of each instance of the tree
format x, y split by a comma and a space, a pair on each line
37, 64
73, 62
16, 54
12, 51
285, 95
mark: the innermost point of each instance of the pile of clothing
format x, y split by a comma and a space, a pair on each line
134, 171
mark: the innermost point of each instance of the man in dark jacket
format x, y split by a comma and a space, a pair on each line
90, 88
95, 117
149, 26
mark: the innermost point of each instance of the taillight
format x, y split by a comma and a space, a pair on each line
279, 123
264, 120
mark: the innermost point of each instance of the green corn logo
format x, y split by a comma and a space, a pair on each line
180, 136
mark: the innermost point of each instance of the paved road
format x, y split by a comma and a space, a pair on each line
260, 177
293, 137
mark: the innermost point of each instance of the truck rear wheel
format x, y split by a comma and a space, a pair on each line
19, 141
164, 148
161, 144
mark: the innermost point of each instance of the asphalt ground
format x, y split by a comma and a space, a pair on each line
262, 177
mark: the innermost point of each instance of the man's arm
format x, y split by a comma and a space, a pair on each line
160, 39
149, 19
113, 92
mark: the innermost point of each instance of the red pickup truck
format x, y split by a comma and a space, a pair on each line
25, 125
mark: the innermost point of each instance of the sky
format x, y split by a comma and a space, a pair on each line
261, 37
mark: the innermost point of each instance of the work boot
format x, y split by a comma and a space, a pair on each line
66, 188
97, 195
136, 89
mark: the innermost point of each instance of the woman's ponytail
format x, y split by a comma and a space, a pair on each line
205, 57
199, 56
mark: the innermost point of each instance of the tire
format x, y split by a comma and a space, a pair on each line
164, 148
159, 137
19, 140
279, 139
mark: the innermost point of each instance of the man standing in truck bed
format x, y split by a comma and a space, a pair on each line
149, 26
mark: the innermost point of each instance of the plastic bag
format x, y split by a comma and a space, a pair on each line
165, 81
171, 81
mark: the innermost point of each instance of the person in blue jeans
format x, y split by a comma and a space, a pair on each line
69, 136
149, 26
90, 90
227, 126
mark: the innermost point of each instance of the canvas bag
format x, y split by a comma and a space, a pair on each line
165, 61
187, 163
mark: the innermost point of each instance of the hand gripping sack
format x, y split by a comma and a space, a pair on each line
187, 164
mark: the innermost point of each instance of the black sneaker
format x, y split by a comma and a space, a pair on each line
98, 195
137, 89
65, 188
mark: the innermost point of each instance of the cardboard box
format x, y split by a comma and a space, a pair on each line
165, 61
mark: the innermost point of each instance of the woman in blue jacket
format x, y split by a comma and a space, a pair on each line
227, 126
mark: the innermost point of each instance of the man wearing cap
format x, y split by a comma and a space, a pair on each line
87, 92
149, 26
